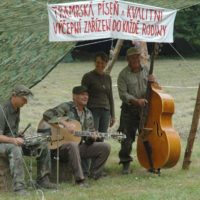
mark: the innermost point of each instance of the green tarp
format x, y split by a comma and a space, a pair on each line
26, 55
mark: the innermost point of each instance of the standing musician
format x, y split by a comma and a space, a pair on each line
73, 152
11, 143
132, 84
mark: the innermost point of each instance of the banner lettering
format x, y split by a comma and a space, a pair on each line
89, 20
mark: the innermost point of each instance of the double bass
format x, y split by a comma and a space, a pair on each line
158, 144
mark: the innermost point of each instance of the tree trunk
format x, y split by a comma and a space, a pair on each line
192, 135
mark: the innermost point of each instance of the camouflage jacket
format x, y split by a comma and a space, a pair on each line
68, 109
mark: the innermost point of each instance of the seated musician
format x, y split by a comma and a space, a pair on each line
98, 152
11, 143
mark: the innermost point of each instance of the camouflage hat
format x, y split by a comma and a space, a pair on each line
79, 89
133, 51
21, 90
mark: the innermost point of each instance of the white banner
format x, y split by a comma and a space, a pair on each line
98, 19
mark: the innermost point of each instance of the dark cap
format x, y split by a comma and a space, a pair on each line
21, 90
133, 50
79, 89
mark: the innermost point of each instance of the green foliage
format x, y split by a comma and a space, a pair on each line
187, 25
26, 54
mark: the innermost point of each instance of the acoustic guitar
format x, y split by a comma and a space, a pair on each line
60, 135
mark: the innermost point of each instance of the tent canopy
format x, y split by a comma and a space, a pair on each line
26, 54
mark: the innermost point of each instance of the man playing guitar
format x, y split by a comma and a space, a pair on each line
88, 148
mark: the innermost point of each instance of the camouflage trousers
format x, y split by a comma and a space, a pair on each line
15, 158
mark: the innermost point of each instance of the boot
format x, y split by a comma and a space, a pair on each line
82, 183
126, 168
46, 184
21, 192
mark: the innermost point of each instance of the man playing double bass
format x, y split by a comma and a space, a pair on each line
132, 84
73, 152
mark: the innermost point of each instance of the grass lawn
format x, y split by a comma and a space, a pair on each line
178, 78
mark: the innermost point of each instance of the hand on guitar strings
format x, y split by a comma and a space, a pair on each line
94, 136
67, 125
18, 141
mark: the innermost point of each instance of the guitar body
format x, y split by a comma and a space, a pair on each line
160, 135
59, 135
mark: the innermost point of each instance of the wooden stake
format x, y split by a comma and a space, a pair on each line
192, 135
115, 56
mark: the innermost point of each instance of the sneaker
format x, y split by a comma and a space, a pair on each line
46, 184
126, 168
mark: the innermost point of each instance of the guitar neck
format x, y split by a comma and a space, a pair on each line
89, 134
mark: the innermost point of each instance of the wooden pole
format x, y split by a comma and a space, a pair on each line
115, 56
144, 58
192, 134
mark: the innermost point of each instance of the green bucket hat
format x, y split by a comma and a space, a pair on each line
132, 51
21, 90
